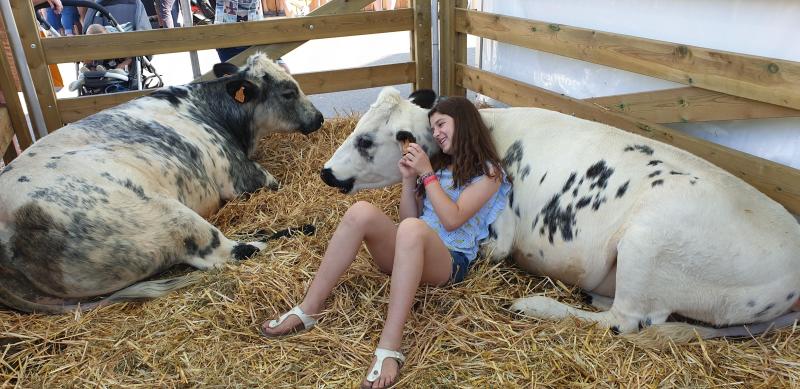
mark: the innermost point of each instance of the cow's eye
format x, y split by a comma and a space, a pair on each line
363, 143
288, 95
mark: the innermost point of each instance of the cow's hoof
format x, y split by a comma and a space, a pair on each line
521, 306
586, 297
244, 251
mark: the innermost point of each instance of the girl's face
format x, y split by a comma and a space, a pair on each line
443, 128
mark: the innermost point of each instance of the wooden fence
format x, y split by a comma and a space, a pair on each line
721, 86
276, 37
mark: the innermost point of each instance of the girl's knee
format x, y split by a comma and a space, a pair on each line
412, 231
360, 213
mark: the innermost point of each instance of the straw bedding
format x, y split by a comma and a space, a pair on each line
460, 336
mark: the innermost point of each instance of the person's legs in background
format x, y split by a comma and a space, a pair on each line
177, 20
54, 20
269, 8
281, 7
229, 52
69, 20
164, 11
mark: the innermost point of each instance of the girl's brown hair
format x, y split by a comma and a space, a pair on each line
473, 150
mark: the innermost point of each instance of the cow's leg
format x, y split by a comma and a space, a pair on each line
269, 180
498, 246
547, 308
636, 298
249, 176
203, 245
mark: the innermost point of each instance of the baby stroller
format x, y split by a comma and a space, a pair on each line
102, 76
107, 76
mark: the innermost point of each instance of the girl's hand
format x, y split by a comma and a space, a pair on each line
416, 159
406, 170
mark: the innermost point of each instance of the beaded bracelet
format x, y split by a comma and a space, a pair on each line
421, 179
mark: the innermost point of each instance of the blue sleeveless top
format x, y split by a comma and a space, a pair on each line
466, 238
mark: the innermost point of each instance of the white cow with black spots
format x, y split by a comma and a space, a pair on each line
110, 200
647, 229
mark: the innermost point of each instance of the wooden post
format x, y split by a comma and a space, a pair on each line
14, 106
446, 36
459, 53
40, 73
453, 48
421, 44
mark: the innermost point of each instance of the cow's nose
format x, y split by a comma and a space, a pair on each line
315, 124
319, 119
328, 178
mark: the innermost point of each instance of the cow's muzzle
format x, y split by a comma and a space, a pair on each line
315, 124
328, 178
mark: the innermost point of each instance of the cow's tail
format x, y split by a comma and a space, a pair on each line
657, 335
140, 291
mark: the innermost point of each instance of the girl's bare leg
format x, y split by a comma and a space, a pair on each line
363, 222
420, 258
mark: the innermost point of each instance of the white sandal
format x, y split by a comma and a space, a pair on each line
380, 355
308, 321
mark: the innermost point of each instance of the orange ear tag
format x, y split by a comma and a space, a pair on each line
239, 95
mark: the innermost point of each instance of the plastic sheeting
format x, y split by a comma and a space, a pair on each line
763, 28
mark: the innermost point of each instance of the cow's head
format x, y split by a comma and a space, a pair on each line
269, 96
368, 157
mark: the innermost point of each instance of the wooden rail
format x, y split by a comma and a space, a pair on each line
336, 18
769, 80
74, 48
691, 104
277, 50
779, 182
76, 108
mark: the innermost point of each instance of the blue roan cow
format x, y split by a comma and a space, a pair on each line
648, 229
119, 196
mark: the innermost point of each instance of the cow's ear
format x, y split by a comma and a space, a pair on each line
241, 90
225, 69
423, 98
406, 136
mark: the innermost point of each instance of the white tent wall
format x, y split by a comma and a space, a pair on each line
763, 28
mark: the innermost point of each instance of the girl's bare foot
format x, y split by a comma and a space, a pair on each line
388, 373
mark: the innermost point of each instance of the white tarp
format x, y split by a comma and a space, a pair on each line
763, 28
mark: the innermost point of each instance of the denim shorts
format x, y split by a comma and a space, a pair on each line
460, 266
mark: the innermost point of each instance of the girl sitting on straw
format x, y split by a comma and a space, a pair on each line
446, 207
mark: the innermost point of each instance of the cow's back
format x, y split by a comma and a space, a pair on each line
96, 194
579, 185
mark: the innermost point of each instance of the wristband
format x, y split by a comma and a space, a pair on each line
429, 179
424, 176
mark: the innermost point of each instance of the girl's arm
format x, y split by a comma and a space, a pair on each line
409, 202
453, 214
